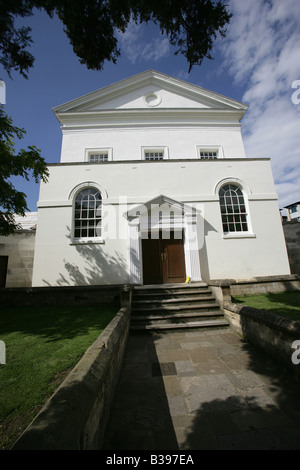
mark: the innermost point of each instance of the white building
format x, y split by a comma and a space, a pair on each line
293, 211
154, 186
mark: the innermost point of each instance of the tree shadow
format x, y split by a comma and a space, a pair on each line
258, 408
96, 266
290, 301
140, 417
55, 323
239, 398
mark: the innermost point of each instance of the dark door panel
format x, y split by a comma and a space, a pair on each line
163, 260
3, 270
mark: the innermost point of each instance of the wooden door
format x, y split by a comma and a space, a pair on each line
173, 262
3, 270
163, 260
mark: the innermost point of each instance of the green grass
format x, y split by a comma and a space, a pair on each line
286, 304
42, 346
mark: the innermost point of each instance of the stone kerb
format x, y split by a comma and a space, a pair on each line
76, 415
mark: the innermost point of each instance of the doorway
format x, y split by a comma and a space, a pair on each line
163, 259
3, 270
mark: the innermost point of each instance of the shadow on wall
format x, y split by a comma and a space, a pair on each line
204, 264
98, 267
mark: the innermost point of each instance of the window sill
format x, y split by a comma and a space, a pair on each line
87, 241
238, 235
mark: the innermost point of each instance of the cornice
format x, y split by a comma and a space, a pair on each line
170, 161
140, 117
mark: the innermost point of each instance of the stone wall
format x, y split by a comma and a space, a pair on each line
292, 238
19, 248
226, 289
76, 416
267, 330
65, 296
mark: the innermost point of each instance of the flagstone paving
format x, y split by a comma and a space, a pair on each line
202, 390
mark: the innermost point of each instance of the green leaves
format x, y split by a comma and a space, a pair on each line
24, 163
91, 25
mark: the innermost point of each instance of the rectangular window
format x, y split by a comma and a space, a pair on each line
208, 155
157, 155
209, 152
98, 157
293, 209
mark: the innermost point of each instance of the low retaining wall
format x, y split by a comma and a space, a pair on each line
267, 330
224, 290
61, 296
75, 417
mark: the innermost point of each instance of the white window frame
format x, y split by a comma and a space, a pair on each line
95, 151
210, 149
72, 196
236, 233
158, 149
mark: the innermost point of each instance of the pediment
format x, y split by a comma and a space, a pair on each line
147, 91
158, 204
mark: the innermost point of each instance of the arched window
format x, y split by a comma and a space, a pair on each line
88, 214
233, 209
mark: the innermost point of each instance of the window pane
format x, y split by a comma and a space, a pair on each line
233, 205
159, 155
87, 213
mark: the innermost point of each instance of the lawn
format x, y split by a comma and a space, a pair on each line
286, 304
42, 346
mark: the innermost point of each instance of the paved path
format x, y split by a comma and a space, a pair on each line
202, 390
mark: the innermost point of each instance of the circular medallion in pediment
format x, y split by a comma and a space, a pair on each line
152, 99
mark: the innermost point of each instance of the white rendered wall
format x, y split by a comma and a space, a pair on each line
127, 144
60, 261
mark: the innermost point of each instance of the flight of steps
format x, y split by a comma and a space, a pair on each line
176, 306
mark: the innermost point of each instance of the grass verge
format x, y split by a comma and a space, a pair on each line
286, 304
42, 345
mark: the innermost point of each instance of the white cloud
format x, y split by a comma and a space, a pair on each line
138, 45
261, 52
156, 49
130, 41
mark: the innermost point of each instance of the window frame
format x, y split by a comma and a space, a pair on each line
218, 149
236, 233
95, 151
75, 240
155, 149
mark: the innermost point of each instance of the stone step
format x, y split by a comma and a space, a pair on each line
178, 306
187, 307
164, 298
170, 287
171, 315
175, 318
173, 300
185, 325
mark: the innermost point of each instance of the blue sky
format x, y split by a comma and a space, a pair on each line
258, 64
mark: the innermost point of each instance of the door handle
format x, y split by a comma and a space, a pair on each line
163, 256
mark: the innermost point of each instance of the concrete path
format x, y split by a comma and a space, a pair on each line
202, 390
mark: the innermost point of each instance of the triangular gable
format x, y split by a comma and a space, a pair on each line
160, 201
148, 90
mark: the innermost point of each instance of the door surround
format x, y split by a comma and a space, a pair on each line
178, 216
